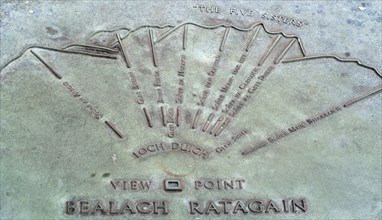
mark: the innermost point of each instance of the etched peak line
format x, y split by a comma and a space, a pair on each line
269, 50
208, 122
167, 33
364, 96
257, 146
284, 52
148, 117
184, 42
196, 119
54, 72
153, 52
224, 39
252, 39
333, 57
112, 127
177, 116
222, 127
217, 125
301, 47
163, 115
124, 55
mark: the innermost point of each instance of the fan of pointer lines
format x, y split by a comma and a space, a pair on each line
206, 86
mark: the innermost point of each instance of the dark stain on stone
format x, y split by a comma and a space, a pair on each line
92, 175
51, 31
354, 22
303, 98
106, 175
379, 19
344, 74
347, 54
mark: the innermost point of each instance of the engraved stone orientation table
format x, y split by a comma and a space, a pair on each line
190, 110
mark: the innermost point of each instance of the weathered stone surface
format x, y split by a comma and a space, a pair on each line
247, 129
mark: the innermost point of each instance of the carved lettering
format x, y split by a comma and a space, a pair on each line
134, 185
127, 207
219, 184
254, 206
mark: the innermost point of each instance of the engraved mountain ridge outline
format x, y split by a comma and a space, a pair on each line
233, 72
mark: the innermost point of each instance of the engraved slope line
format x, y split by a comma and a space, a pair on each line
217, 125
57, 75
208, 122
222, 127
366, 95
196, 119
177, 118
212, 72
163, 115
124, 55
221, 48
281, 56
152, 46
112, 127
269, 51
148, 117
249, 44
185, 32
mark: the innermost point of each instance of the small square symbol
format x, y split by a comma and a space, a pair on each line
173, 185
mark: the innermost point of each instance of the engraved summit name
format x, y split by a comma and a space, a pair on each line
153, 207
